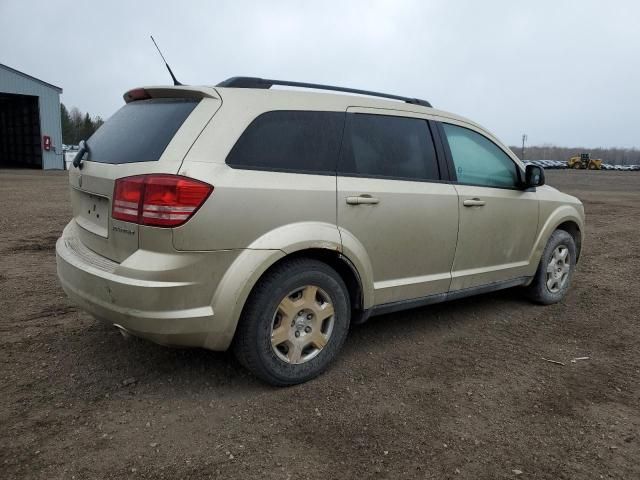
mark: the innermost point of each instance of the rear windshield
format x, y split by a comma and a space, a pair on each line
140, 131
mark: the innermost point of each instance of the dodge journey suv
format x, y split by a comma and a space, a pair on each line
270, 220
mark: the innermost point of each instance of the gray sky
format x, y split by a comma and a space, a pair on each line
564, 72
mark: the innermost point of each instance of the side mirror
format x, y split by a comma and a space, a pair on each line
533, 176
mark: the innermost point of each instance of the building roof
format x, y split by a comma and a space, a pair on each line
17, 72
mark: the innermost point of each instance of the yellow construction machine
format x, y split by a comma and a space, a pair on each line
584, 160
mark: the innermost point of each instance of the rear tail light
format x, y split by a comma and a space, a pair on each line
158, 200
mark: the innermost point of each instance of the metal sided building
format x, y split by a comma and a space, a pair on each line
30, 126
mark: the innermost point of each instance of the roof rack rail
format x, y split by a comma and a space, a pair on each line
254, 82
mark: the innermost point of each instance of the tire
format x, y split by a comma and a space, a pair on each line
269, 314
551, 287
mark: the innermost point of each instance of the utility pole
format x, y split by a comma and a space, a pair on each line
524, 139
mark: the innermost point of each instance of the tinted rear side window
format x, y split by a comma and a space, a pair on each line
388, 147
140, 131
290, 141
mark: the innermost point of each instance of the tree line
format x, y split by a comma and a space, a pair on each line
614, 156
77, 126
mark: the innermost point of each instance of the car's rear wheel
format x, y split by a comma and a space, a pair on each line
294, 323
555, 271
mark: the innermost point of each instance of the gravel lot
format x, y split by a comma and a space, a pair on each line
457, 390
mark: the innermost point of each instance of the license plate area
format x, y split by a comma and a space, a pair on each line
92, 212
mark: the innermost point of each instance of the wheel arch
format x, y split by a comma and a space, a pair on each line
573, 229
339, 262
245, 273
566, 218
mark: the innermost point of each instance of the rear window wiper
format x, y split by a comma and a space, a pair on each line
83, 148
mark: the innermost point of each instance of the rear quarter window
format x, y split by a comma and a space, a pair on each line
140, 131
285, 140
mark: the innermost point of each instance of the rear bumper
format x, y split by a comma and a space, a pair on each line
164, 297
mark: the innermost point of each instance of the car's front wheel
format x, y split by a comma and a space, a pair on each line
294, 323
555, 271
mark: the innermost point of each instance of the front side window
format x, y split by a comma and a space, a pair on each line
479, 161
388, 147
288, 140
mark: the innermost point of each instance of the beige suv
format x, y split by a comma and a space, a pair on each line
269, 220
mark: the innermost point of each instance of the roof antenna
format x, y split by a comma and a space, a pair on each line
175, 80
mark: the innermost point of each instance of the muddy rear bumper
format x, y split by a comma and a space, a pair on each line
171, 306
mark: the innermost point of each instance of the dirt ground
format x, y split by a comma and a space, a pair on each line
457, 390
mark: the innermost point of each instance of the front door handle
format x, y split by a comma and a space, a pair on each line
364, 199
473, 202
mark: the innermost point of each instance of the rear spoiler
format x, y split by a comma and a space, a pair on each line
144, 93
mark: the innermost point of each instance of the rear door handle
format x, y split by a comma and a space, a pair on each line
364, 199
473, 202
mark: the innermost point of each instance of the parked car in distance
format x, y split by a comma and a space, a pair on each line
547, 164
269, 221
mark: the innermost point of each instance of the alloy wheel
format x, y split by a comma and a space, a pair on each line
302, 324
558, 269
